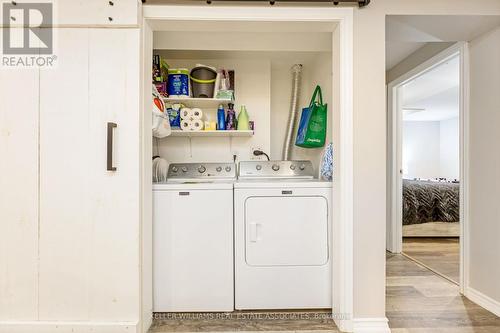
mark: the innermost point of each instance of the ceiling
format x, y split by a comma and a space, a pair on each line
407, 33
433, 96
397, 51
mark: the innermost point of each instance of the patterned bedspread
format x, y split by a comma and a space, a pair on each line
426, 201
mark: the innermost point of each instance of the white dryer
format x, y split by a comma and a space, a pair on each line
193, 239
282, 237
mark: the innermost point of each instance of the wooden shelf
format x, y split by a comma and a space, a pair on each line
199, 102
212, 133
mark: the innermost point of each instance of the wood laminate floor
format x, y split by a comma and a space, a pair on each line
419, 301
439, 254
307, 321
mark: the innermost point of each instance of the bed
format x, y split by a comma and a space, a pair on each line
431, 208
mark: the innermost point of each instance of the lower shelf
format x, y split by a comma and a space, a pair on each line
212, 133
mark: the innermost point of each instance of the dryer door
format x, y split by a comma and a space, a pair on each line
286, 231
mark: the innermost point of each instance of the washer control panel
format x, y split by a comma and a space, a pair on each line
186, 171
276, 169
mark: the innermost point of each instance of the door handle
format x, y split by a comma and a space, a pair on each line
109, 159
254, 232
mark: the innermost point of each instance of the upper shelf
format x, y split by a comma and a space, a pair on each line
198, 102
212, 133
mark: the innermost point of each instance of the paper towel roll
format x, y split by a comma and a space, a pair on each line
186, 113
196, 113
186, 124
196, 125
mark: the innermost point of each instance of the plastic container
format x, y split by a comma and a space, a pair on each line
203, 81
178, 82
243, 124
231, 118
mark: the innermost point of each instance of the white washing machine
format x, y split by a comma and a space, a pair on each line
282, 237
193, 239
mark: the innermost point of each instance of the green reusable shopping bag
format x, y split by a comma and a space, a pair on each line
313, 123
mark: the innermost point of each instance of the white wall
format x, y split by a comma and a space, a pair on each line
485, 166
431, 149
421, 149
370, 157
449, 149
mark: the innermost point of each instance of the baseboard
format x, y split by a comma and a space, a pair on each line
147, 322
68, 327
371, 325
482, 300
344, 325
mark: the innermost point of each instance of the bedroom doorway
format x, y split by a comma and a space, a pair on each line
427, 115
430, 165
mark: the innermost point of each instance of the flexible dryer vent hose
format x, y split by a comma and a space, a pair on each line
294, 110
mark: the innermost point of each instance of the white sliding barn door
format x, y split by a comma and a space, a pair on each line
18, 193
89, 216
114, 97
65, 173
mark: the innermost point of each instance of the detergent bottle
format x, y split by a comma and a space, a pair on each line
243, 124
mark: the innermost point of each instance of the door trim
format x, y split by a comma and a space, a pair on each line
342, 234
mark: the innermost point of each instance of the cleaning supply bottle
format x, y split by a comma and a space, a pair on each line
243, 119
221, 118
231, 117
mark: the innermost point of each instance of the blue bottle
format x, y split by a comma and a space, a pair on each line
221, 118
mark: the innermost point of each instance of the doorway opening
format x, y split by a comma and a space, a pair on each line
416, 45
431, 168
428, 113
186, 38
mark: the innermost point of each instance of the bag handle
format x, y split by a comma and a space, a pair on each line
317, 92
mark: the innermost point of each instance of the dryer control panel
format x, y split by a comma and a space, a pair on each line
197, 171
276, 169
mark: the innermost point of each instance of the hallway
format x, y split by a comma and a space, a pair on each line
419, 301
440, 254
